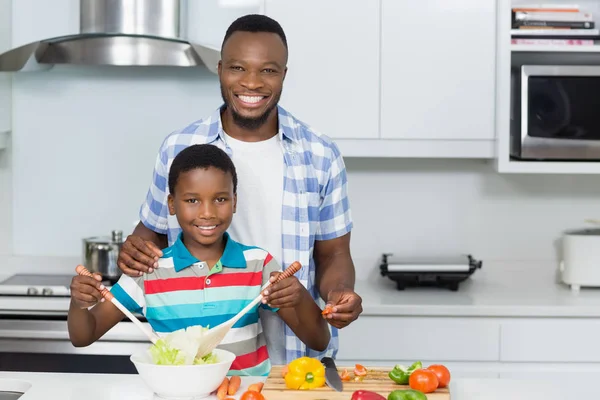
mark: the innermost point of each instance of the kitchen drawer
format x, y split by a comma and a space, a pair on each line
550, 340
414, 338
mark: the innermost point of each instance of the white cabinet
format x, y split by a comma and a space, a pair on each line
5, 77
477, 347
332, 82
420, 338
206, 22
438, 69
35, 20
550, 340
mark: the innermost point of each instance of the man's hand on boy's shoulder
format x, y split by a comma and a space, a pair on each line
138, 255
287, 293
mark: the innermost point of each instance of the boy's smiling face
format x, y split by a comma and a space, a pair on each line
204, 203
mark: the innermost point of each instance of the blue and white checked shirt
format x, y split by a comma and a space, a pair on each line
315, 201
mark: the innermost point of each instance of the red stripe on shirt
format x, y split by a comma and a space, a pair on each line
268, 258
199, 282
251, 359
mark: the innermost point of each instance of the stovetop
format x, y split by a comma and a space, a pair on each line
42, 285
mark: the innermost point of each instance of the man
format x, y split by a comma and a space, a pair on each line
292, 197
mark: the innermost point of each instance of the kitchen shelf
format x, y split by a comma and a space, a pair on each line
526, 48
4, 139
549, 167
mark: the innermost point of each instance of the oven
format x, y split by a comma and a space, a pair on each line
555, 112
39, 342
34, 336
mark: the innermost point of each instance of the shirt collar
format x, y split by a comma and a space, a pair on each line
233, 255
287, 125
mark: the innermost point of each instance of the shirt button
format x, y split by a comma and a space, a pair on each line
208, 281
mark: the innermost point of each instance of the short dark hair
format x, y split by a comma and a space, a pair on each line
255, 23
201, 156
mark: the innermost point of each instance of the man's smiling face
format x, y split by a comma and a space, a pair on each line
251, 72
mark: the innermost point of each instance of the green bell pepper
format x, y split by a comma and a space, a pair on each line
400, 373
409, 394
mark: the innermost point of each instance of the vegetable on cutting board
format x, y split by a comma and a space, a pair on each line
408, 394
366, 395
400, 373
442, 373
305, 373
423, 380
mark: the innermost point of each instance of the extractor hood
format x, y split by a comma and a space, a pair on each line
121, 33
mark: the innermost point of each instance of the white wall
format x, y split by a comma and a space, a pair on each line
85, 140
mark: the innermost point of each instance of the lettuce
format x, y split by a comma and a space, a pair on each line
179, 348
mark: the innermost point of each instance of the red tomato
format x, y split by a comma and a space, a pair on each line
423, 380
442, 373
252, 395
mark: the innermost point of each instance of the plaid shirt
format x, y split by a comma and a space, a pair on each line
315, 202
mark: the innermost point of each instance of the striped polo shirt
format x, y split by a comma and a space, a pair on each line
183, 292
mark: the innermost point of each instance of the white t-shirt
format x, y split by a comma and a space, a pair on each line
257, 221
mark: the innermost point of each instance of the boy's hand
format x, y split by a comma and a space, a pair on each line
85, 291
287, 293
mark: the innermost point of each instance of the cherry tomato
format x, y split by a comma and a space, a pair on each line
423, 380
442, 373
252, 395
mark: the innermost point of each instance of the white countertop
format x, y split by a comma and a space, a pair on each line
45, 386
496, 290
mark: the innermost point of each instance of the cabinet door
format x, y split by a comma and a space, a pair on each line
206, 21
5, 77
332, 82
39, 20
438, 69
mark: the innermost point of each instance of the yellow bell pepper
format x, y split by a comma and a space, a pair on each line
305, 373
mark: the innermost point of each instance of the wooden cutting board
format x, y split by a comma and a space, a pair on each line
377, 380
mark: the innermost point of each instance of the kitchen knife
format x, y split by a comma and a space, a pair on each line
332, 377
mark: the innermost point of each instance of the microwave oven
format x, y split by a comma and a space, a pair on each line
555, 112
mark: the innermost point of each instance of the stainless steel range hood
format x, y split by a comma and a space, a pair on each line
121, 33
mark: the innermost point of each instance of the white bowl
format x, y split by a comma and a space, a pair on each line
183, 382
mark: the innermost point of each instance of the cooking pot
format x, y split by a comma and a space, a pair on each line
100, 254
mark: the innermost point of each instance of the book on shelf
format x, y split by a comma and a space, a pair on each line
552, 42
552, 20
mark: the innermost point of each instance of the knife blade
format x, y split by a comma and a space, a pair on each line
332, 377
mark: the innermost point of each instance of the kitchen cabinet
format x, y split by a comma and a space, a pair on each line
477, 347
332, 82
438, 69
35, 20
5, 78
207, 22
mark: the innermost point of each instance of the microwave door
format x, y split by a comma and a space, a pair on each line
560, 112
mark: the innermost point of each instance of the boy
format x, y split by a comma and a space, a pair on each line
205, 277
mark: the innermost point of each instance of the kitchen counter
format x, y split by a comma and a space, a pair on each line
496, 290
116, 387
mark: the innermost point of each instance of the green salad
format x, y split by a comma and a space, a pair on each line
180, 347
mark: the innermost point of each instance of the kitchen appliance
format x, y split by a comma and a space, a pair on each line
34, 335
442, 272
100, 254
376, 380
118, 32
580, 265
554, 112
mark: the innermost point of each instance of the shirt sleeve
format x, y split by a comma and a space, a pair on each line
270, 265
130, 292
154, 211
335, 218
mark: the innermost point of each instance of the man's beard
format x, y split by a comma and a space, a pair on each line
250, 123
